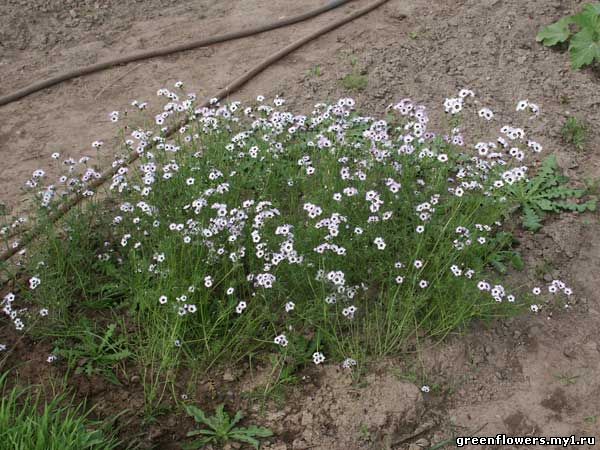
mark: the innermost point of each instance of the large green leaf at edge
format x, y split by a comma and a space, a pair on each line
555, 33
589, 17
584, 49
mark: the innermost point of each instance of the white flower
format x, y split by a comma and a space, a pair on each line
486, 113
349, 311
535, 308
34, 282
425, 388
162, 299
536, 291
318, 357
380, 243
522, 105
349, 363
289, 306
281, 340
241, 306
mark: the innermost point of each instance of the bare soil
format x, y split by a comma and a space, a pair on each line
536, 375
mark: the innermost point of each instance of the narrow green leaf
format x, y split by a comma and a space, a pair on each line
238, 416
245, 438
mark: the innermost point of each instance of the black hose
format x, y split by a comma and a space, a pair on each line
146, 54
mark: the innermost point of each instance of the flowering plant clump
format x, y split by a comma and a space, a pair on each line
252, 224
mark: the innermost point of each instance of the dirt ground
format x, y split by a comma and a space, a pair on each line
536, 375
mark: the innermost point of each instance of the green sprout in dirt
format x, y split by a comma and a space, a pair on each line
547, 192
316, 71
96, 354
27, 423
574, 132
355, 82
584, 44
566, 379
222, 429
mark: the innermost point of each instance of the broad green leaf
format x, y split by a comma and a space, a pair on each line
589, 17
517, 261
584, 49
499, 266
555, 33
591, 204
550, 162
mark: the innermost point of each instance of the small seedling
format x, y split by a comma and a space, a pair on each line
591, 419
355, 82
96, 354
222, 429
574, 132
584, 44
365, 434
547, 192
316, 71
567, 380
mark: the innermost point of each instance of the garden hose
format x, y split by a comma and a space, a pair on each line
64, 208
163, 51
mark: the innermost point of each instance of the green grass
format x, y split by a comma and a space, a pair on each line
575, 133
29, 423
